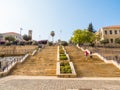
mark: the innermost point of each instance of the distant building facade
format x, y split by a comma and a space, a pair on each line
13, 34
110, 33
30, 33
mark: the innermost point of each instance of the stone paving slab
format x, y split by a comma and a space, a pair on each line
54, 83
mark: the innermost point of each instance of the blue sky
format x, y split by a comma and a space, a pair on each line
43, 16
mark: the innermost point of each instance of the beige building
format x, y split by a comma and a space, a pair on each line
110, 33
13, 34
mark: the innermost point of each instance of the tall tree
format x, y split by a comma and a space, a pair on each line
90, 28
52, 35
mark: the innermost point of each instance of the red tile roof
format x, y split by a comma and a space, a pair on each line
11, 33
112, 27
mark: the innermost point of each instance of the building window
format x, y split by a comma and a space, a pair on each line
115, 31
119, 31
110, 31
105, 32
111, 40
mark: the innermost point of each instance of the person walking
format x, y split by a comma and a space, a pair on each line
90, 54
86, 54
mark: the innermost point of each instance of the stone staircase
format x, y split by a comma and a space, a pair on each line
91, 67
43, 63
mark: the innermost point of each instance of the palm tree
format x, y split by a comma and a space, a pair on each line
52, 35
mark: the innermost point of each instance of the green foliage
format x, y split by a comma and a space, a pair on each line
117, 40
9, 38
50, 43
52, 34
90, 28
21, 43
59, 41
61, 51
34, 43
105, 41
65, 67
64, 43
63, 57
26, 37
83, 36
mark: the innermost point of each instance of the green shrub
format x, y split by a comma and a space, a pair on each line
64, 43
50, 43
65, 67
21, 43
61, 52
68, 71
60, 47
63, 57
64, 64
34, 43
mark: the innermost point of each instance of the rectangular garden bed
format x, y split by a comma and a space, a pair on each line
65, 70
62, 55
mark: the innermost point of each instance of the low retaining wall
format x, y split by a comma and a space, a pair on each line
69, 75
34, 52
23, 59
7, 70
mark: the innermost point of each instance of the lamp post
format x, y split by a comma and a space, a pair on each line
20, 30
60, 36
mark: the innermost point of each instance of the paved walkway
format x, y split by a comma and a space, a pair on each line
54, 83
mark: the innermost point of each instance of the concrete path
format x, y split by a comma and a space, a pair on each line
54, 83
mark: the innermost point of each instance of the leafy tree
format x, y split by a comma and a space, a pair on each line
10, 38
52, 35
64, 43
90, 28
26, 37
117, 40
83, 36
77, 36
